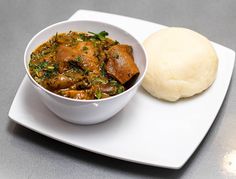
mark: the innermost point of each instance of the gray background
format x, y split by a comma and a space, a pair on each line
26, 154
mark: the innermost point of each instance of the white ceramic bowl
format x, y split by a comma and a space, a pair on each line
86, 111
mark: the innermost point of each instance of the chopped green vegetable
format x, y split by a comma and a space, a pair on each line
36, 71
86, 71
116, 42
83, 37
113, 82
103, 70
98, 94
99, 80
46, 51
50, 67
48, 74
56, 37
56, 67
35, 56
78, 59
120, 89
84, 48
31, 65
94, 44
44, 70
42, 65
101, 35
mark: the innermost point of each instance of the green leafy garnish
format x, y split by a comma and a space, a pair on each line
115, 42
78, 59
56, 37
50, 67
46, 51
113, 82
83, 37
36, 71
99, 80
43, 69
86, 71
56, 67
84, 48
42, 65
100, 36
120, 89
50, 71
103, 70
48, 74
35, 56
31, 65
98, 94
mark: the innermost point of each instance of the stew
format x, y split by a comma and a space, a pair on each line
83, 65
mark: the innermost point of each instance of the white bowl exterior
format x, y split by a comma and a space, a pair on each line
87, 111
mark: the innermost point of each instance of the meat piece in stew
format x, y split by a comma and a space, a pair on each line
121, 63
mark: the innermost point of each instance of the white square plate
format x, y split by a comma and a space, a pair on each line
147, 130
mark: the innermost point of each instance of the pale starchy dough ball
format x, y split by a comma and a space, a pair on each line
182, 63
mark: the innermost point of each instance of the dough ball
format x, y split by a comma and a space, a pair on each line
182, 63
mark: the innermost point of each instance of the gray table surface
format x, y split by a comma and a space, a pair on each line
26, 154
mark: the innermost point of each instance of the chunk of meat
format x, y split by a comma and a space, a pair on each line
64, 55
59, 82
120, 64
82, 54
77, 94
87, 48
89, 63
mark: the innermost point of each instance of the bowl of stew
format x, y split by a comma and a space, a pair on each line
85, 71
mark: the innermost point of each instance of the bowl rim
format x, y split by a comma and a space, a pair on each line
137, 83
